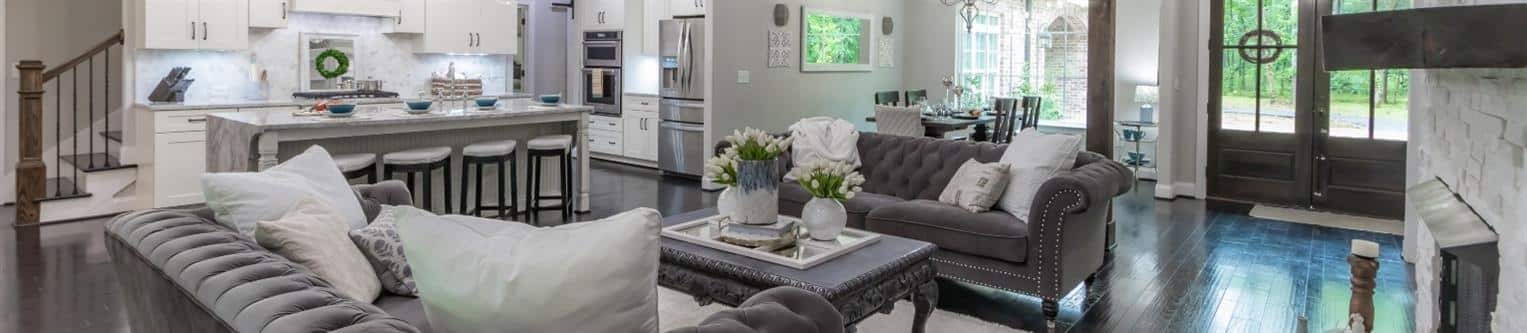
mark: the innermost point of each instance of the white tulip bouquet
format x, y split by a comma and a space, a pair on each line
829, 179
722, 169
753, 144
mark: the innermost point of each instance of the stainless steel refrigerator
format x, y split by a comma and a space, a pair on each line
681, 135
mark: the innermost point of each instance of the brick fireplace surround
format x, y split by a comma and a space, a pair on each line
1469, 128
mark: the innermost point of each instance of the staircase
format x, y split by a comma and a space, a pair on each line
79, 173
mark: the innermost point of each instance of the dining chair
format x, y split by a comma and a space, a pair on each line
901, 121
1030, 115
892, 98
1007, 113
913, 96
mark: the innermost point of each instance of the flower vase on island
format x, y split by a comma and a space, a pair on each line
829, 183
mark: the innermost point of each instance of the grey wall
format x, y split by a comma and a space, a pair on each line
1138, 39
777, 97
1182, 52
929, 45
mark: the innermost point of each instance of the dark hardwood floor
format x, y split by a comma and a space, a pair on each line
1181, 266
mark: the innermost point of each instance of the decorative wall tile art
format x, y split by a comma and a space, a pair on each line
887, 52
781, 48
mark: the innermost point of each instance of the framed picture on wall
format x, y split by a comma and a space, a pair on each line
836, 41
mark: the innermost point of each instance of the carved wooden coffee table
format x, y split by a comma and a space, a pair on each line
858, 284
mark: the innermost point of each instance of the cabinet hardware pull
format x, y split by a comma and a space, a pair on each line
193, 30
400, 16
204, 32
197, 120
283, 10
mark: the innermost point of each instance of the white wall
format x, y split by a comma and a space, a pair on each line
1183, 55
1136, 49
777, 97
7, 185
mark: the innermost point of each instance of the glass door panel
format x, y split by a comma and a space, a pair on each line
1275, 105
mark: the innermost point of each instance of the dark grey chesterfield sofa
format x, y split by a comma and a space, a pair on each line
181, 272
1059, 248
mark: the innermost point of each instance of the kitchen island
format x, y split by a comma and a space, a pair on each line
251, 141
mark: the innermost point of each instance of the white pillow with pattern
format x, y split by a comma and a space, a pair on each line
976, 186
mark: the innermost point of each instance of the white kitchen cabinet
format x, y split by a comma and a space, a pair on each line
179, 159
640, 135
269, 13
603, 15
411, 16
686, 7
193, 24
653, 12
386, 8
470, 26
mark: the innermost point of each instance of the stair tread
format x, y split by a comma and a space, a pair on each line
113, 135
95, 162
62, 188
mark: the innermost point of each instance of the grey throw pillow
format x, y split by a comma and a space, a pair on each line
976, 186
383, 247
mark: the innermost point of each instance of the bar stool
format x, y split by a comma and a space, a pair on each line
424, 161
540, 148
357, 166
492, 152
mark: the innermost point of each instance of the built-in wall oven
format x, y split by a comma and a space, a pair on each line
602, 61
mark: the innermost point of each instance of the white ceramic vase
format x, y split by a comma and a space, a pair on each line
824, 218
726, 203
757, 193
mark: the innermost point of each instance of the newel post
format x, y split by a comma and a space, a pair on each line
31, 174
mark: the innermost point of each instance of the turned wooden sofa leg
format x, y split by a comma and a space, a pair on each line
1052, 310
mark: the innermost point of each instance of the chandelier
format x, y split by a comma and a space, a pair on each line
969, 9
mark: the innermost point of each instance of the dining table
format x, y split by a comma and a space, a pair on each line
936, 126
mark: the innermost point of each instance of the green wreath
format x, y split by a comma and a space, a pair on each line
340, 59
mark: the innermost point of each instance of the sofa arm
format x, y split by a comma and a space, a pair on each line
778, 310
391, 193
180, 272
1069, 220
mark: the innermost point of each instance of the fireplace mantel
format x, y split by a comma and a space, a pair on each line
1470, 270
1487, 36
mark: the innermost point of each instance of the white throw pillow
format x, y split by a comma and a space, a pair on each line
480, 275
976, 186
240, 199
314, 235
1034, 159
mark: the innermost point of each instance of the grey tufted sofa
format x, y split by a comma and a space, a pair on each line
1059, 248
181, 272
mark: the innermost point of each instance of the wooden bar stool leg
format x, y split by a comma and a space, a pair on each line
466, 175
499, 185
533, 195
448, 184
477, 211
412, 188
567, 188
514, 186
429, 190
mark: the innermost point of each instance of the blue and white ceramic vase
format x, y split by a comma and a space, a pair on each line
756, 193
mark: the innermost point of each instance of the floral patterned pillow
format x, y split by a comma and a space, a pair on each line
383, 247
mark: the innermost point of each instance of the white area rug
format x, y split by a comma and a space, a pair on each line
1324, 219
676, 310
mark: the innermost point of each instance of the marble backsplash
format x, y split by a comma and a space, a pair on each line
230, 76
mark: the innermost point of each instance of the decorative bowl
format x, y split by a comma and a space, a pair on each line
550, 99
487, 102
419, 104
341, 108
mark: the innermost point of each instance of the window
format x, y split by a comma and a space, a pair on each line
1011, 51
836, 41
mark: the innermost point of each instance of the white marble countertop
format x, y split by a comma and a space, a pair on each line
293, 102
381, 115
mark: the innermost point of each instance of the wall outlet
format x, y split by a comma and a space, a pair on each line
744, 77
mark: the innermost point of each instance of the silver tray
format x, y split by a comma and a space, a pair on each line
804, 254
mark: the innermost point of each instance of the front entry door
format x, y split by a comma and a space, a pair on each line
1283, 131
1257, 150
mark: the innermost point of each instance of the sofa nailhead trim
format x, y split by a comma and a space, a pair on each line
979, 268
956, 278
1055, 253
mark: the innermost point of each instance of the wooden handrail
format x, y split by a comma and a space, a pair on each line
116, 39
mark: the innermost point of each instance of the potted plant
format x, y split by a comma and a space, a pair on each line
722, 170
757, 175
829, 183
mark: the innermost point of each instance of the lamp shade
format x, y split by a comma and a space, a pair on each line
1146, 94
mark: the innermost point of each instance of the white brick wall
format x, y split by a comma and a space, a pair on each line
1472, 131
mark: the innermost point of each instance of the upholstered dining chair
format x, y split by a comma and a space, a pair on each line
900, 121
892, 98
914, 96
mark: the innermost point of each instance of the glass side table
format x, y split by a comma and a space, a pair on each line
1133, 133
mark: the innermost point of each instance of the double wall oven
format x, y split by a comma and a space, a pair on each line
602, 61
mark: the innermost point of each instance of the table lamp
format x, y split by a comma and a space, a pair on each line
1147, 95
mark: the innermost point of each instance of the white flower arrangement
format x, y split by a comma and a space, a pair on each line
722, 169
829, 179
752, 144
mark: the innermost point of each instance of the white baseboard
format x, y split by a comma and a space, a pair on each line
1179, 189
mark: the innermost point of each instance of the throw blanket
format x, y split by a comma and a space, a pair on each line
825, 138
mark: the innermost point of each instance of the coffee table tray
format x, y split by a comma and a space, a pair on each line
804, 254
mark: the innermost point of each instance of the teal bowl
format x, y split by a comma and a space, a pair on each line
341, 108
419, 105
550, 99
487, 102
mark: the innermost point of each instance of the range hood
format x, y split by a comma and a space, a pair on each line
1488, 36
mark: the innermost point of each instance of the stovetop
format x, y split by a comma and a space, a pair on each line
331, 94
